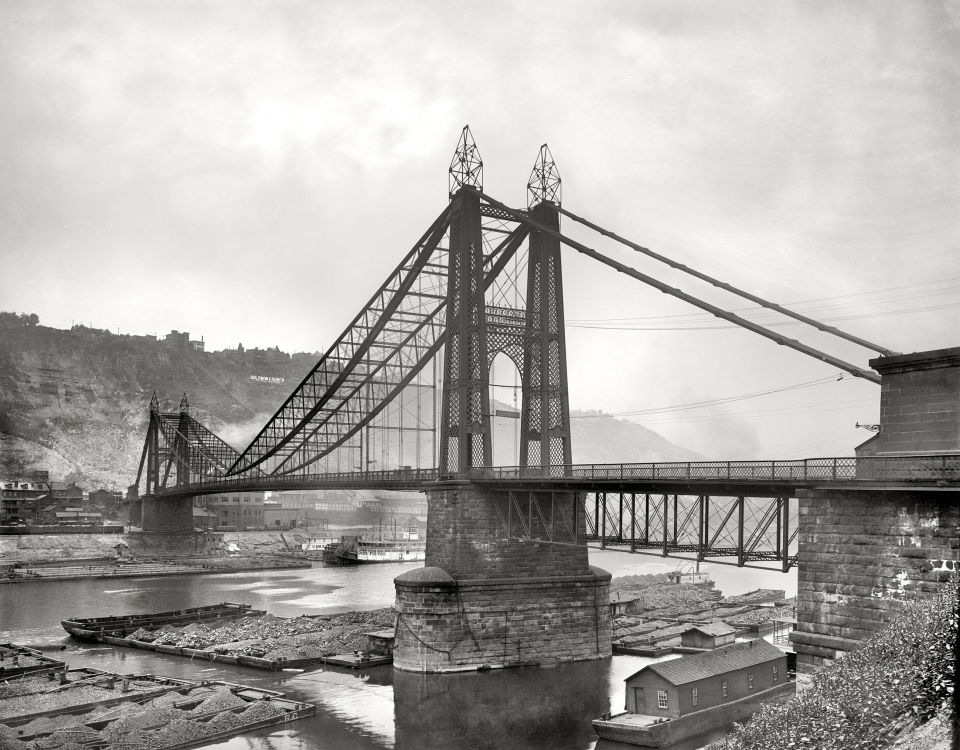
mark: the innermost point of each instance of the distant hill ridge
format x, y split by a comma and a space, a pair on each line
75, 401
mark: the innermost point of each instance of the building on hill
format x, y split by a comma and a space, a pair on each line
670, 689
181, 339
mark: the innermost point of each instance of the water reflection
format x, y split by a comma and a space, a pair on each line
371, 710
529, 708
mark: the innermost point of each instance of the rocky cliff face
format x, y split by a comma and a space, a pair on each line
76, 402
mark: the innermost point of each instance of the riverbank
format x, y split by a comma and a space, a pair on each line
106, 569
57, 557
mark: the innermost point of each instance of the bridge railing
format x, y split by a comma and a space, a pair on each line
411, 478
908, 468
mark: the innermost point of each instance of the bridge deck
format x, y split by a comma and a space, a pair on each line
757, 478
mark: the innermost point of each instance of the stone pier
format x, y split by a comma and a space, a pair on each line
166, 514
864, 552
486, 600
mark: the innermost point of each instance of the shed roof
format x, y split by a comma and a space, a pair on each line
712, 663
717, 628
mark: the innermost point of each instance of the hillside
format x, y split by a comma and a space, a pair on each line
75, 401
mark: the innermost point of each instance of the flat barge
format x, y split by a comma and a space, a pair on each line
120, 626
154, 632
18, 661
94, 709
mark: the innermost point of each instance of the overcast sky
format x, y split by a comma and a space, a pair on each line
251, 172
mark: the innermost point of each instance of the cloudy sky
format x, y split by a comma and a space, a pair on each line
250, 172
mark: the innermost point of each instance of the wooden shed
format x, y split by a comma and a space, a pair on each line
682, 686
708, 635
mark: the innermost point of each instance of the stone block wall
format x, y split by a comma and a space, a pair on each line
863, 553
444, 625
919, 402
488, 598
167, 514
467, 538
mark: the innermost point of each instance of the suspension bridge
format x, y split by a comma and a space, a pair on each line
407, 386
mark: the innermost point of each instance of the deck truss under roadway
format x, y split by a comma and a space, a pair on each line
742, 531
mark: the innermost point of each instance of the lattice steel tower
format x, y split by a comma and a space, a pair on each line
476, 332
465, 413
545, 421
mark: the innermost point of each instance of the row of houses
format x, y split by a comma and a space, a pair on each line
38, 500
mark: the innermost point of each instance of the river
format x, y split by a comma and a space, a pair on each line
381, 708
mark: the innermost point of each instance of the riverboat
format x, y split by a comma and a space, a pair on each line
94, 628
352, 550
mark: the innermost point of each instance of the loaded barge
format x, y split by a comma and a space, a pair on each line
95, 628
258, 640
95, 709
17, 661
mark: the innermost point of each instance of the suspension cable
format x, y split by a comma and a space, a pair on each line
728, 287
688, 298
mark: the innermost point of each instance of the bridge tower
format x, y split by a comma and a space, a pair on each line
545, 421
168, 515
465, 413
485, 599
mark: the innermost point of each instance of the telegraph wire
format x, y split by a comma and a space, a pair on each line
718, 401
774, 324
845, 300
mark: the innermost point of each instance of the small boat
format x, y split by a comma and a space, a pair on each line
93, 628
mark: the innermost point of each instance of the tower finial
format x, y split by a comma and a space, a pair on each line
154, 402
466, 167
544, 182
184, 404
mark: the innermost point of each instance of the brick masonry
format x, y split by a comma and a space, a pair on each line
486, 599
166, 514
864, 553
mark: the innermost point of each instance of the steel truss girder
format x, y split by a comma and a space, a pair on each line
200, 457
414, 354
544, 516
749, 529
328, 382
